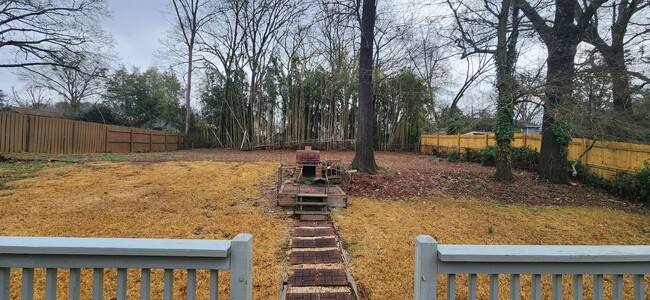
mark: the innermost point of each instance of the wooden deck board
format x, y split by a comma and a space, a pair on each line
288, 194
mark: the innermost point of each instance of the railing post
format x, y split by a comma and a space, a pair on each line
241, 267
426, 268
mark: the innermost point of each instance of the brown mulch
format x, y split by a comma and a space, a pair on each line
401, 176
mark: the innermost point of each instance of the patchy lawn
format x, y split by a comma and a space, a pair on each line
380, 235
215, 194
179, 200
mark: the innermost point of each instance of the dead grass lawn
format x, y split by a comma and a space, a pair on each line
380, 235
179, 200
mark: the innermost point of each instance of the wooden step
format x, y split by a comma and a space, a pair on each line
307, 212
313, 195
311, 203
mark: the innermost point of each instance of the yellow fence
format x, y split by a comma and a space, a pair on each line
27, 133
604, 159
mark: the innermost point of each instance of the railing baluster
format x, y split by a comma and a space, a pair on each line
577, 287
514, 287
451, 286
557, 286
50, 284
617, 287
494, 286
536, 287
145, 284
121, 284
5, 282
191, 284
214, 284
639, 287
471, 287
75, 278
169, 284
98, 283
598, 286
27, 291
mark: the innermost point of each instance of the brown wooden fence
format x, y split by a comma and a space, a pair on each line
27, 133
604, 159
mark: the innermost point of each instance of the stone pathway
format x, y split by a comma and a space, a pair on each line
318, 271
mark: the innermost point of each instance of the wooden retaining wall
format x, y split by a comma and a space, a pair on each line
604, 159
27, 133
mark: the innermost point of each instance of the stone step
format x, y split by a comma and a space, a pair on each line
314, 217
313, 232
313, 243
315, 257
318, 277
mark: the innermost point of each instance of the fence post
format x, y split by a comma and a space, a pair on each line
241, 267
131, 146
426, 268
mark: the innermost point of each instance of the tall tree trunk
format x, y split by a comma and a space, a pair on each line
364, 158
555, 127
506, 85
620, 80
188, 90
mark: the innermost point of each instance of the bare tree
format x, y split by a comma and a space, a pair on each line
32, 97
561, 40
75, 84
45, 32
191, 16
364, 158
613, 46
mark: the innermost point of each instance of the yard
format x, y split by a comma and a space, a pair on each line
215, 194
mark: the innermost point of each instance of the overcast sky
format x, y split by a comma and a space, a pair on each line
136, 25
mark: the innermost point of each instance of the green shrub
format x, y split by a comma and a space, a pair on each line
525, 158
453, 155
472, 155
641, 184
635, 187
489, 156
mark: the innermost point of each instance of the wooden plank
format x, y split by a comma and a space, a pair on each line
533, 254
5, 278
121, 284
145, 284
168, 284
451, 286
111, 246
191, 284
50, 284
536, 287
515, 287
639, 287
27, 289
98, 283
471, 287
214, 285
577, 287
75, 284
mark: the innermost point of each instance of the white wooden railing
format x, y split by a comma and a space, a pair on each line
74, 254
432, 259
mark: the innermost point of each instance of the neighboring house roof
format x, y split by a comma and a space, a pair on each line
530, 125
478, 132
37, 112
